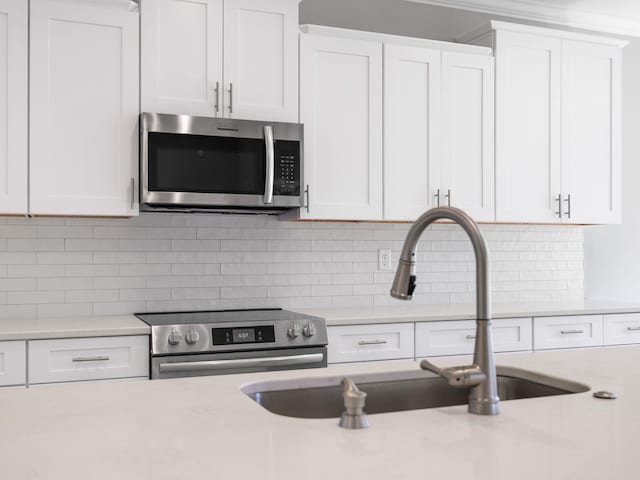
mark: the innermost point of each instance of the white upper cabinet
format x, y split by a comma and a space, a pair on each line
13, 107
341, 109
181, 62
468, 134
412, 122
226, 58
591, 132
84, 108
557, 124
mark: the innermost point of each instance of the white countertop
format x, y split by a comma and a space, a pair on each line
206, 427
70, 327
424, 313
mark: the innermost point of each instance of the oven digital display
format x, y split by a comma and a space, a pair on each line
232, 336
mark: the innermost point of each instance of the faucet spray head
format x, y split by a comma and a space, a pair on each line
404, 282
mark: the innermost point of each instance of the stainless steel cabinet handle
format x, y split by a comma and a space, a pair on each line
448, 197
133, 193
471, 337
559, 200
437, 195
269, 171
568, 200
633, 329
98, 358
288, 360
231, 98
569, 332
372, 342
306, 192
217, 91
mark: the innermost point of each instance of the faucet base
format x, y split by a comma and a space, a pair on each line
484, 407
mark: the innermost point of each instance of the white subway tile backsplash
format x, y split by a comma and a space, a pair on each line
156, 262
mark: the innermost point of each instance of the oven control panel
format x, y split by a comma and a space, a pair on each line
231, 336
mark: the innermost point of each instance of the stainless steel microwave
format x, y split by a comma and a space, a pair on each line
198, 163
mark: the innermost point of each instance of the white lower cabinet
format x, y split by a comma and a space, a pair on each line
622, 328
13, 363
361, 343
568, 332
81, 359
458, 337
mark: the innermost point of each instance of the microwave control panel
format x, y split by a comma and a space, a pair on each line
287, 168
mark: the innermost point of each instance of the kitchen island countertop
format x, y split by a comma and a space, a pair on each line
205, 427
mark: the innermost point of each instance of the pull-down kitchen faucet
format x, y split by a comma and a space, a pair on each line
483, 397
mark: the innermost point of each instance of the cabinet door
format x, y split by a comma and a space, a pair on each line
363, 343
591, 132
84, 108
341, 108
468, 106
261, 59
412, 161
181, 62
13, 107
528, 165
567, 332
13, 363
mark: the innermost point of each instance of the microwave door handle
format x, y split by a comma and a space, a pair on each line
269, 174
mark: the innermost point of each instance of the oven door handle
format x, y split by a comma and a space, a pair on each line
270, 165
286, 360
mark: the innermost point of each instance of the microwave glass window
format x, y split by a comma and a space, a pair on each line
206, 164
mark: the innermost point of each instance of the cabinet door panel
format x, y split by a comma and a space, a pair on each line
412, 165
362, 343
84, 109
13, 107
528, 164
181, 44
591, 132
261, 59
13, 366
341, 108
468, 104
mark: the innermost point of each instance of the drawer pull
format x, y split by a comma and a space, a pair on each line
633, 329
471, 337
372, 342
97, 358
569, 332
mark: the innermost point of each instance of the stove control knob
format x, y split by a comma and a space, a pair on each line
294, 330
309, 330
192, 336
174, 337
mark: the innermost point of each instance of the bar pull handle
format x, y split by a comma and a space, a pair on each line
471, 337
568, 200
633, 329
437, 195
260, 362
571, 332
306, 193
448, 197
269, 173
98, 358
217, 92
231, 97
559, 200
372, 342
133, 193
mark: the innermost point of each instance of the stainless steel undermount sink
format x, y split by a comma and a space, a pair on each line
395, 392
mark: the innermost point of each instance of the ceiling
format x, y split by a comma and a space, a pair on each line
613, 16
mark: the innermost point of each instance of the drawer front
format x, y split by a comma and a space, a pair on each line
13, 363
567, 332
76, 359
458, 337
622, 328
360, 343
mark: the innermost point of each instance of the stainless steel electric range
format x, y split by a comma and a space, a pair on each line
185, 344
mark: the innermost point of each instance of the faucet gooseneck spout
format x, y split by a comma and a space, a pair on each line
483, 397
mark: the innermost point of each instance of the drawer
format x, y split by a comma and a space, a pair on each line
458, 337
76, 359
13, 363
567, 332
360, 343
622, 328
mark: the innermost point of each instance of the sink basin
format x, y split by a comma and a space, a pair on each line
395, 392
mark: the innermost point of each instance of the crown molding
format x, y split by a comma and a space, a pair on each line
546, 12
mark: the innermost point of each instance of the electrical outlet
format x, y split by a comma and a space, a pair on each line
384, 259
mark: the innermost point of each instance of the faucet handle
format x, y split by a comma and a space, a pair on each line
462, 376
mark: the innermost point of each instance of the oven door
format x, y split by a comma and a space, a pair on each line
237, 362
211, 162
